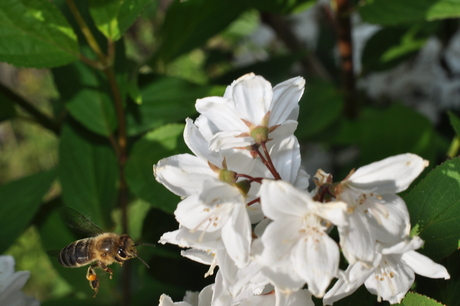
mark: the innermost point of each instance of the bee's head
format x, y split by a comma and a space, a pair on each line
127, 249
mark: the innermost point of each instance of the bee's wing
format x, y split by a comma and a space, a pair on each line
79, 223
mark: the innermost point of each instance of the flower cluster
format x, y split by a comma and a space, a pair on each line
11, 284
246, 208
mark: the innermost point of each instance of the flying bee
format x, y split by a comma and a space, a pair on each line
99, 251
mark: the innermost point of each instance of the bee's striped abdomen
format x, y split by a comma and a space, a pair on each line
76, 254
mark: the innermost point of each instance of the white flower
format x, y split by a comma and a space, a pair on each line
391, 275
213, 203
251, 111
296, 247
11, 284
376, 213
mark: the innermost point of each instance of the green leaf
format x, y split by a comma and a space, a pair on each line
114, 17
434, 207
393, 45
415, 299
20, 201
454, 122
320, 106
86, 96
88, 173
189, 24
162, 142
392, 12
35, 34
164, 100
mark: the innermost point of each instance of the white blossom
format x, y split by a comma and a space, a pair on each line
11, 284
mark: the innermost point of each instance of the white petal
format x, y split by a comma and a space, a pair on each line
6, 267
278, 240
299, 298
205, 296
202, 257
229, 140
396, 223
183, 174
10, 289
391, 280
424, 266
221, 113
285, 155
357, 239
284, 130
286, 96
316, 259
390, 175
167, 301
236, 235
199, 145
281, 199
252, 96
352, 279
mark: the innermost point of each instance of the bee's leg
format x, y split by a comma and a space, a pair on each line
93, 279
106, 269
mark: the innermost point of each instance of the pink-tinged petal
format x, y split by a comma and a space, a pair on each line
199, 145
183, 174
316, 259
280, 199
221, 113
424, 266
286, 96
236, 235
396, 223
357, 240
252, 96
284, 130
390, 175
391, 280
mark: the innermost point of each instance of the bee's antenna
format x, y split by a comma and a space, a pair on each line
147, 244
148, 267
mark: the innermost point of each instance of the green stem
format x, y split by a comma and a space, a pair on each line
120, 144
454, 147
92, 42
38, 116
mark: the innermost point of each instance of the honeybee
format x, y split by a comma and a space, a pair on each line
100, 251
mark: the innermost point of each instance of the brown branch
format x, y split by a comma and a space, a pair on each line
38, 116
282, 29
345, 45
